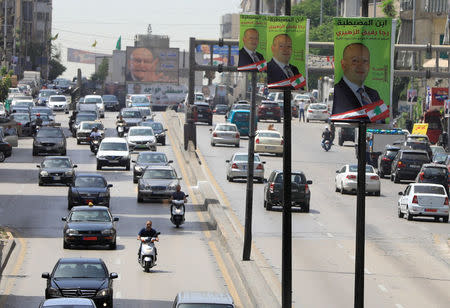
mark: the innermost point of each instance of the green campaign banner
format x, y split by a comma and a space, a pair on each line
363, 55
252, 43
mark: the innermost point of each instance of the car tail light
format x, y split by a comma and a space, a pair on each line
18, 123
257, 140
306, 188
374, 177
309, 110
421, 176
386, 159
351, 177
234, 166
282, 142
325, 111
259, 167
446, 201
214, 111
414, 200
237, 135
214, 134
399, 164
271, 186
294, 108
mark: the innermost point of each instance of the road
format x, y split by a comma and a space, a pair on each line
407, 263
187, 258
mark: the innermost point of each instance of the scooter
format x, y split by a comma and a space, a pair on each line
177, 210
95, 144
147, 253
326, 145
120, 129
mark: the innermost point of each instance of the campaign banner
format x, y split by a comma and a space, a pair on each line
83, 56
438, 97
152, 65
252, 43
363, 53
161, 93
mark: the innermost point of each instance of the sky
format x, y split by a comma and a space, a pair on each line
79, 23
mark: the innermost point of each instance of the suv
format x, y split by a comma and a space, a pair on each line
434, 173
419, 145
49, 140
132, 117
113, 152
98, 101
346, 134
407, 163
111, 102
385, 160
269, 111
273, 190
204, 113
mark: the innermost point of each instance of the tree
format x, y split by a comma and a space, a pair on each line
56, 69
102, 72
389, 8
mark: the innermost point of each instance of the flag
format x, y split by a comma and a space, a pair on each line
119, 43
377, 111
95, 43
55, 37
349, 115
298, 81
260, 66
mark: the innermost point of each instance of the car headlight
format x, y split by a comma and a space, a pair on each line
53, 292
103, 292
108, 232
44, 173
69, 173
101, 157
138, 169
71, 231
103, 194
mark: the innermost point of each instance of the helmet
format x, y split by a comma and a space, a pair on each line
90, 203
326, 127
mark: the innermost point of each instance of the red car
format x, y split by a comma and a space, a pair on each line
269, 111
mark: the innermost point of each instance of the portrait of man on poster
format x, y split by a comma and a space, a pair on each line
279, 67
248, 53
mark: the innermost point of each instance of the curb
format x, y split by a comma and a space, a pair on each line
7, 251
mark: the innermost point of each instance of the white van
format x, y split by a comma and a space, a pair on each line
113, 151
98, 101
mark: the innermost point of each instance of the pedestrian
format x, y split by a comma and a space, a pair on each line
301, 111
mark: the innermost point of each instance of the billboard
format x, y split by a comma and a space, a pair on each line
82, 56
438, 97
162, 93
363, 49
152, 65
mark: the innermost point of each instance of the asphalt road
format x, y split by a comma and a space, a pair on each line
186, 259
407, 263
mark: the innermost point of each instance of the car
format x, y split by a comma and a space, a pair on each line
25, 123
204, 113
132, 117
88, 187
203, 299
407, 163
269, 141
95, 283
146, 159
113, 152
20, 109
317, 112
428, 200
418, 145
85, 129
225, 133
56, 169
12, 137
49, 140
220, 109
346, 134
158, 130
46, 120
141, 137
44, 95
385, 160
68, 302
98, 101
43, 110
302, 98
58, 102
111, 102
90, 225
138, 100
273, 190
90, 106
269, 110
82, 116
242, 105
434, 173
346, 180
23, 103
24, 88
435, 149
237, 167
5, 150
441, 158
241, 118
157, 182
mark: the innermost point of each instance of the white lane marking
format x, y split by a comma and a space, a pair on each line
367, 271
117, 238
352, 257
398, 306
382, 288
340, 246
320, 224
330, 235
118, 295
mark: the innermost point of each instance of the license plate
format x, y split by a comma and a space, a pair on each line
56, 178
269, 147
114, 161
269, 112
294, 190
431, 210
90, 238
48, 148
414, 166
244, 167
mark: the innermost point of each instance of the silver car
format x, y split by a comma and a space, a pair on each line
225, 133
141, 137
317, 112
85, 129
157, 182
237, 167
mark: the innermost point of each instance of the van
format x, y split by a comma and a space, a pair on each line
242, 120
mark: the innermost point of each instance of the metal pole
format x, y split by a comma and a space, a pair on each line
374, 8
321, 11
5, 17
448, 95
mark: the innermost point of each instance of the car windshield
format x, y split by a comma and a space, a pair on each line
22, 103
89, 126
159, 174
244, 157
205, 306
43, 116
79, 270
89, 181
140, 100
47, 93
96, 100
113, 146
57, 163
131, 114
318, 106
269, 135
58, 99
241, 116
421, 189
21, 117
297, 178
109, 98
391, 153
440, 157
50, 133
152, 158
145, 112
141, 132
85, 117
226, 128
354, 168
90, 215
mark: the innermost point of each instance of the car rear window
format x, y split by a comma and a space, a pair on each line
226, 128
431, 172
429, 190
244, 157
241, 116
269, 105
269, 135
318, 106
354, 168
50, 133
152, 158
391, 153
415, 156
297, 178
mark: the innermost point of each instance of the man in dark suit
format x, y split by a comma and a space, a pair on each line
248, 53
279, 68
350, 92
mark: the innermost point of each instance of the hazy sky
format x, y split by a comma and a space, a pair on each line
79, 23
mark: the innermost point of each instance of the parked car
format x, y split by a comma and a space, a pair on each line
56, 169
90, 225
67, 302
428, 200
203, 299
346, 180
147, 159
204, 113
300, 193
225, 133
158, 130
111, 102
269, 111
317, 112
237, 167
141, 137
5, 150
113, 152
346, 134
49, 140
434, 173
96, 282
385, 160
58, 102
85, 129
269, 141
407, 163
98, 101
157, 182
88, 187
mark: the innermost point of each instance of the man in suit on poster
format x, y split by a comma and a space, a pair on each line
279, 68
248, 53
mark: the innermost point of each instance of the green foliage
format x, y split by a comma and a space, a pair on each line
56, 69
103, 70
3, 71
5, 84
389, 8
311, 9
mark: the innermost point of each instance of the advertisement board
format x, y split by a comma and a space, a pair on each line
252, 42
152, 65
162, 94
82, 56
438, 97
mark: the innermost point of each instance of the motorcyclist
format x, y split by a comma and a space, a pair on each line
37, 123
95, 135
178, 194
148, 231
326, 135
120, 121
332, 131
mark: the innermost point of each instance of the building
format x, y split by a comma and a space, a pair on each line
229, 26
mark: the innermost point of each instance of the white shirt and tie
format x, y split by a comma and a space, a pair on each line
359, 92
252, 54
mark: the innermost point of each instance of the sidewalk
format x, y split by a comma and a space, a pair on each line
7, 244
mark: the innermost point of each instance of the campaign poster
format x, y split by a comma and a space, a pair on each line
83, 56
287, 51
438, 97
363, 53
152, 65
252, 43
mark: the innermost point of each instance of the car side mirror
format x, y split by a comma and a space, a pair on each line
337, 171
38, 166
309, 182
75, 166
110, 185
170, 161
45, 275
165, 129
133, 161
227, 161
115, 218
180, 178
64, 218
113, 276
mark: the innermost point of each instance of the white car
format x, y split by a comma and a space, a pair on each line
225, 133
346, 179
317, 112
113, 151
58, 102
269, 141
237, 167
98, 101
424, 199
141, 137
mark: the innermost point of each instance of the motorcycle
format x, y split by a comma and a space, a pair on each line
177, 210
120, 129
147, 253
326, 145
95, 144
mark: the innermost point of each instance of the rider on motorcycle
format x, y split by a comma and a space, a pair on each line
120, 121
148, 231
37, 123
326, 135
95, 135
177, 195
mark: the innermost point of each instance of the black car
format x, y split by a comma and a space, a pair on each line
89, 187
90, 225
220, 109
158, 130
49, 140
25, 123
204, 112
56, 169
418, 145
132, 117
273, 190
385, 160
434, 173
81, 277
5, 150
111, 102
146, 159
407, 163
346, 134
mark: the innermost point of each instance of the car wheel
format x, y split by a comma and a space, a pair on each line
305, 208
35, 153
163, 142
261, 180
127, 166
396, 179
113, 246
445, 219
65, 245
342, 189
99, 167
140, 199
135, 180
78, 141
377, 193
399, 212
213, 144
40, 183
236, 145
340, 142
436, 219
2, 157
409, 216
